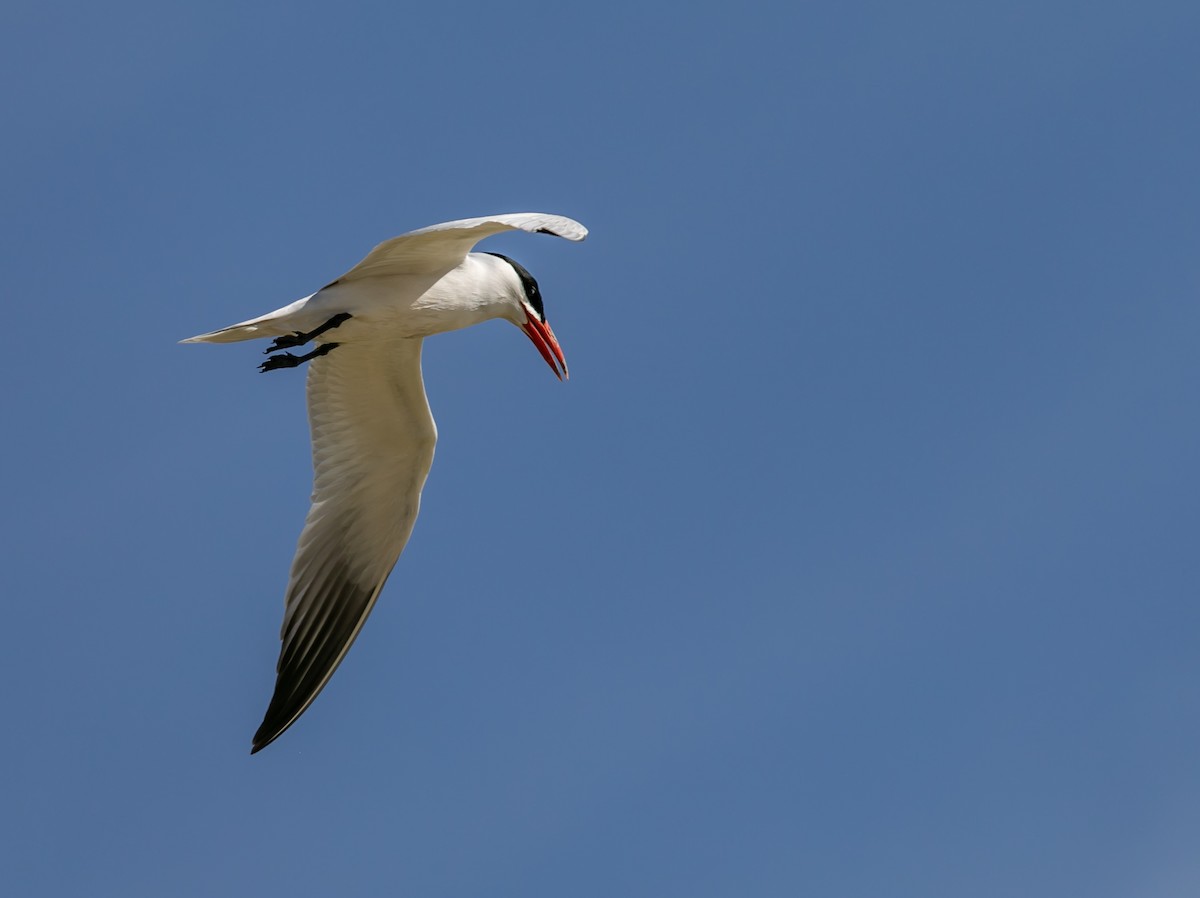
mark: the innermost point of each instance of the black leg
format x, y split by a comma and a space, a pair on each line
287, 360
299, 338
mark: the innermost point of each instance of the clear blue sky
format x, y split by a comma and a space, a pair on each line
857, 558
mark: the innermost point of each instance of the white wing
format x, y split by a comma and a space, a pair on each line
431, 252
441, 247
373, 439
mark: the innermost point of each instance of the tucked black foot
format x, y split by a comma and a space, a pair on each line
287, 360
299, 338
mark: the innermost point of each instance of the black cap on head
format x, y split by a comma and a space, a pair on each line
532, 295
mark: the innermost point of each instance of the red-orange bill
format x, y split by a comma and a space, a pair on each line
543, 338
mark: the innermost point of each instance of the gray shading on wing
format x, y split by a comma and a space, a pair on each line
373, 438
440, 247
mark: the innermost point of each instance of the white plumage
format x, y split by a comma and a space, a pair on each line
373, 435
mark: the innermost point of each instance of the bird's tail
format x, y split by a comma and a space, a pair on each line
273, 324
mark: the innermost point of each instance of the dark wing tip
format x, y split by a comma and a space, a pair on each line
268, 731
280, 715
558, 226
312, 652
574, 234
264, 737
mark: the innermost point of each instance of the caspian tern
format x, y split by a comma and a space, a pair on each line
372, 431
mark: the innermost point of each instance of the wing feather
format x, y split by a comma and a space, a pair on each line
373, 439
441, 247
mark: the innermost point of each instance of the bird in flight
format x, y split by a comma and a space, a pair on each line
372, 431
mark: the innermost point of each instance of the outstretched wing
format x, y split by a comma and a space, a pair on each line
441, 247
372, 442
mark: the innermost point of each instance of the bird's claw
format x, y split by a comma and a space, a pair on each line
287, 341
287, 360
299, 338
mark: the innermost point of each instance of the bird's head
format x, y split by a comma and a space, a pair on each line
526, 312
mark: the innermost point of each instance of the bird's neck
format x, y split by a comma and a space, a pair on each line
472, 293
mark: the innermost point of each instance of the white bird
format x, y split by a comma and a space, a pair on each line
372, 431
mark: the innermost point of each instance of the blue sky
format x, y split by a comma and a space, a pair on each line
857, 557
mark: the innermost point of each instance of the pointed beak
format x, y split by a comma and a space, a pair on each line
543, 338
